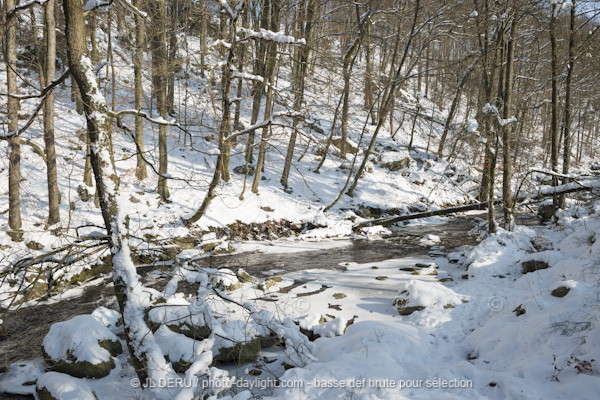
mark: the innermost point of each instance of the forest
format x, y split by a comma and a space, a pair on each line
253, 198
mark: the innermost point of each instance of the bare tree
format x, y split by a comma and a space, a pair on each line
145, 354
14, 163
138, 58
50, 71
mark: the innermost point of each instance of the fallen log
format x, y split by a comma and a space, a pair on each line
546, 191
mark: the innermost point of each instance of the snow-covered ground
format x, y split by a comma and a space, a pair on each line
469, 325
426, 182
491, 331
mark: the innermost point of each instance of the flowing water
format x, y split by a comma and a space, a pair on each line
24, 330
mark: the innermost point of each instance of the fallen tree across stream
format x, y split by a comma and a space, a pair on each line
545, 191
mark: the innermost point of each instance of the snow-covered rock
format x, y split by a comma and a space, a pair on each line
57, 386
81, 347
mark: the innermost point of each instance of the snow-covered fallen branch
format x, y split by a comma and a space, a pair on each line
545, 191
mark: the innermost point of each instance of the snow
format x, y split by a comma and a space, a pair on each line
20, 375
430, 240
78, 339
266, 34
92, 4
467, 343
478, 340
64, 387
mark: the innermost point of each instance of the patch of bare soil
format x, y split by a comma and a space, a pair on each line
24, 330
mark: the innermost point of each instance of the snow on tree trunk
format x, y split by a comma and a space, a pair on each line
146, 356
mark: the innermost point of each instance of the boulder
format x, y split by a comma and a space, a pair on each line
240, 353
397, 165
179, 316
561, 291
57, 386
403, 307
534, 265
81, 347
241, 170
546, 211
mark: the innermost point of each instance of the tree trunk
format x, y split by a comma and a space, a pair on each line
507, 129
138, 58
369, 87
387, 99
92, 30
172, 56
159, 59
304, 26
454, 105
14, 163
568, 111
50, 68
204, 21
271, 70
146, 357
554, 117
259, 87
225, 127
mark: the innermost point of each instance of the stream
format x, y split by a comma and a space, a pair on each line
24, 330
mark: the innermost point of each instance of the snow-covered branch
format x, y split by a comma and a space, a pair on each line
23, 6
265, 34
263, 123
44, 95
138, 113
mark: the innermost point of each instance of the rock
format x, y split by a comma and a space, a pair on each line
104, 266
269, 282
296, 227
84, 194
244, 277
339, 296
210, 246
381, 278
397, 165
134, 199
57, 386
81, 347
561, 291
403, 307
241, 353
241, 170
446, 279
546, 211
33, 245
519, 310
179, 316
419, 265
185, 242
364, 212
409, 269
37, 289
337, 142
534, 265
224, 248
